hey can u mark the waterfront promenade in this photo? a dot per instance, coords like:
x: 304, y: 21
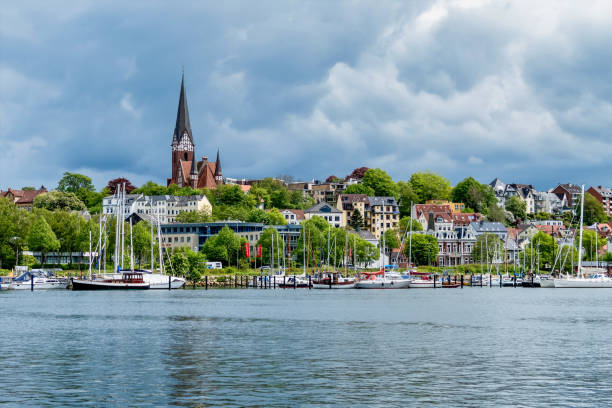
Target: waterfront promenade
x: 471, y: 347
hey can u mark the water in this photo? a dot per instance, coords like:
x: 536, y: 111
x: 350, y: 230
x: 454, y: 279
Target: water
x: 472, y: 347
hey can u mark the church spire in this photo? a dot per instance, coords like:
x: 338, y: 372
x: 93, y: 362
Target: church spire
x: 182, y: 116
x: 218, y: 175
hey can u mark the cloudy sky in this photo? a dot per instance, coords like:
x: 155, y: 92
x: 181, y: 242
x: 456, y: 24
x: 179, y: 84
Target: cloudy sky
x: 516, y: 90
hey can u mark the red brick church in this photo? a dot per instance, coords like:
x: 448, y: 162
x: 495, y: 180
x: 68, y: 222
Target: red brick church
x: 186, y: 169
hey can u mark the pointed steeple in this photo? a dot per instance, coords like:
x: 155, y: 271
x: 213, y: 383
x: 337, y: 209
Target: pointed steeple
x: 218, y: 175
x: 182, y: 116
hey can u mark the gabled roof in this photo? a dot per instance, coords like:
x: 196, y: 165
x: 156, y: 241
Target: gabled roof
x: 465, y: 218
x: 299, y: 214
x: 571, y: 188
x: 322, y: 207
x: 382, y: 201
x: 427, y: 208
x: 488, y: 227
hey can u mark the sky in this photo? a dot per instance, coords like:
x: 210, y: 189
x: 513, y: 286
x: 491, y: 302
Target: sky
x: 519, y: 90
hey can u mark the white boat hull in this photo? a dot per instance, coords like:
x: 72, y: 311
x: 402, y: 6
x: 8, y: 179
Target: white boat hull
x: 547, y: 283
x: 424, y: 284
x: 333, y: 286
x: 583, y: 283
x: 383, y: 284
x: 27, y: 285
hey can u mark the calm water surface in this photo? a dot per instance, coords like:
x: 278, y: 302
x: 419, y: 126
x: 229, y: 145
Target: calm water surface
x: 472, y: 347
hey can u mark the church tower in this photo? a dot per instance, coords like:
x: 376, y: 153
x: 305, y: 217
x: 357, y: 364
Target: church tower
x: 218, y: 175
x: 183, y: 163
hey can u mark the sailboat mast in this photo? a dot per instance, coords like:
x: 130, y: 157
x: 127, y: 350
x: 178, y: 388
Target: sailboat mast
x: 159, y: 245
x: 152, y: 238
x: 580, y: 241
x: 131, y: 248
x: 410, y: 239
x: 383, y: 235
x: 89, y: 255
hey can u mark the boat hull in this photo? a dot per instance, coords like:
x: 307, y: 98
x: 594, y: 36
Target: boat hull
x: 394, y: 284
x: 547, y: 283
x: 37, y: 286
x: 347, y: 285
x: 83, y: 284
x: 583, y: 283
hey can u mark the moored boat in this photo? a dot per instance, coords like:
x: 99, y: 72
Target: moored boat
x: 128, y: 280
x: 42, y: 280
x: 382, y: 280
x: 334, y: 281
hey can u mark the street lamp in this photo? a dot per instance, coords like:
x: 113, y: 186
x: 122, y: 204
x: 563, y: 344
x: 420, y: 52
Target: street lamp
x: 15, y: 242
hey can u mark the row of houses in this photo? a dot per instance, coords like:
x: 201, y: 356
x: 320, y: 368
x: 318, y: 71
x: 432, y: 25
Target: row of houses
x: 159, y: 208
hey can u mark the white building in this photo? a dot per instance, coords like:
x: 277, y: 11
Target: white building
x: 331, y: 214
x: 166, y: 207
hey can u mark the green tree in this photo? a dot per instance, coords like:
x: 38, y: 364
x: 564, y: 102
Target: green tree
x: 424, y: 249
x: 180, y: 263
x: 392, y: 241
x: 473, y: 194
x: 404, y: 226
x: 41, y: 238
x: 56, y: 200
x: 359, y: 189
x: 593, y: 210
x: 141, y: 238
x: 226, y: 246
x: 356, y: 221
x: 14, y: 228
x: 379, y: 181
x: 268, y: 239
x: 497, y: 214
x: 72, y: 182
x: 430, y: 186
x: 150, y: 188
x: 66, y: 227
x: 591, y: 242
x: 407, y: 197
x: 488, y: 248
x: 517, y: 207
x: 193, y: 217
x: 275, y: 217
x: 229, y: 194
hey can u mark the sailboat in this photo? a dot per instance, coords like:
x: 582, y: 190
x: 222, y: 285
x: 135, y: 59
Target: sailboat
x: 333, y: 280
x: 580, y: 281
x: 130, y: 279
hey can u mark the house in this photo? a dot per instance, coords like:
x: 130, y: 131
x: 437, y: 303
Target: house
x: 23, y: 199
x: 604, y: 196
x: 293, y: 217
x: 349, y: 203
x: 548, y: 202
x: 331, y: 214
x: 162, y: 207
x: 571, y: 192
x: 379, y: 213
x: 496, y: 228
x: 455, y: 207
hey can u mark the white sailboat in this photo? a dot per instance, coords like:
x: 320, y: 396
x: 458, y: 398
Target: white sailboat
x: 580, y: 281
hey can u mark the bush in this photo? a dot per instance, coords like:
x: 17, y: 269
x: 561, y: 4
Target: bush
x: 4, y: 272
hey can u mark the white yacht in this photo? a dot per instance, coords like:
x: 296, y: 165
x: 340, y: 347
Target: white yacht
x: 160, y: 281
x: 42, y: 280
x: 382, y: 280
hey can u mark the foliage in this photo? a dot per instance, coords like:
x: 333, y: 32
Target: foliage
x: 193, y: 216
x: 113, y: 184
x: 473, y: 194
x: 72, y: 182
x: 498, y: 214
x: 379, y: 181
x: 356, y: 221
x: 591, y: 242
x: 404, y: 226
x: 488, y: 248
x: 407, y: 197
x: 543, y: 216
x: 359, y: 189
x: 392, y: 240
x: 272, y: 247
x: 430, y: 186
x: 334, y: 179
x: 424, y: 249
x: 275, y: 218
x: 195, y: 263
x: 141, y: 238
x: 57, y: 200
x: 226, y: 246
x: 41, y: 237
x: 180, y: 263
x: 14, y: 228
x: 358, y: 173
x: 517, y: 207
x: 593, y: 210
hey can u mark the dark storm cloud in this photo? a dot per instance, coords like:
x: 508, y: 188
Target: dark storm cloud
x: 489, y: 89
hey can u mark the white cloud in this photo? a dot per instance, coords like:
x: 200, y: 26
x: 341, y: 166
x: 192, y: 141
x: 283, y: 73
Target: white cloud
x: 128, y: 106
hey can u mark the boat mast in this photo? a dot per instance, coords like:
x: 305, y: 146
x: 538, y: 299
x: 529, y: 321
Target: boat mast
x: 328, y: 236
x: 89, y: 255
x: 410, y: 239
x: 131, y: 248
x: 159, y: 246
x: 304, y: 248
x: 122, y: 224
x: 99, y: 244
x: 383, y: 235
x: 580, y: 242
x: 151, y: 222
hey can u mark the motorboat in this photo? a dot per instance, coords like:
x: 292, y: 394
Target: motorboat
x: 295, y: 281
x: 420, y: 280
x: 382, y: 280
x: 531, y: 282
x: 334, y: 281
x: 127, y: 280
x: 42, y: 280
x: 547, y: 282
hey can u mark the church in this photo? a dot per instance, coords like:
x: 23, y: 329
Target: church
x: 187, y: 170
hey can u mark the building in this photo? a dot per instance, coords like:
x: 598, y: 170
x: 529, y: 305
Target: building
x: 496, y: 228
x: 194, y: 235
x: 186, y: 169
x: 548, y: 202
x: 571, y: 192
x: 349, y: 203
x: 293, y: 217
x: 23, y: 199
x: 331, y: 214
x: 604, y: 196
x: 162, y: 207
x: 454, y: 207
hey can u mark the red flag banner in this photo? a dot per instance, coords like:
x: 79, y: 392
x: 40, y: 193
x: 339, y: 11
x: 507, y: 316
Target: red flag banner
x: 247, y: 250
x: 349, y: 252
x: 259, y: 251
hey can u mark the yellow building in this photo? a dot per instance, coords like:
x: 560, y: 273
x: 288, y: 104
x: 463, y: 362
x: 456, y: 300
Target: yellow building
x: 455, y: 207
